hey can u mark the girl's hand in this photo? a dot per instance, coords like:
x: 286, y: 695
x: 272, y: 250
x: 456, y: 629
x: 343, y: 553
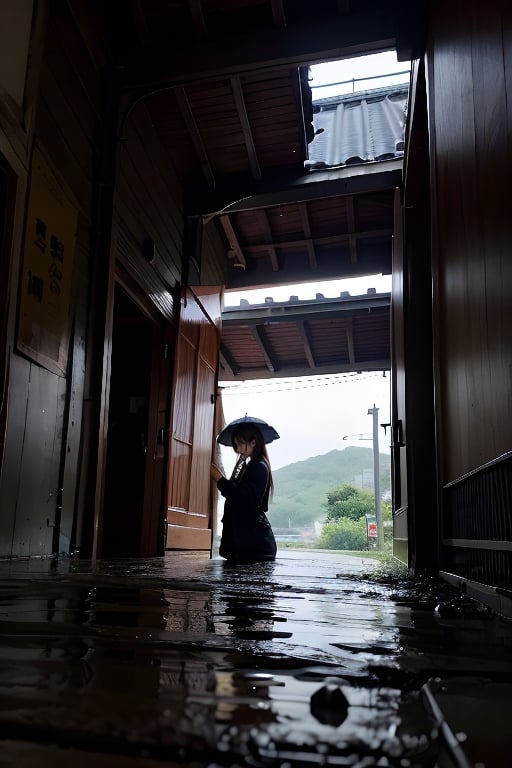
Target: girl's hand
x: 215, y: 473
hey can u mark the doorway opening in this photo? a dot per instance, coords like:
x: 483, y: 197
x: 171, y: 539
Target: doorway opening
x: 127, y: 444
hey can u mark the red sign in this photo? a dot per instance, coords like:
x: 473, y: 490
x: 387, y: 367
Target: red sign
x: 372, y: 530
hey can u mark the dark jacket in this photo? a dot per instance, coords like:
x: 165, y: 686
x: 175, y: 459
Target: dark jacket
x: 247, y: 536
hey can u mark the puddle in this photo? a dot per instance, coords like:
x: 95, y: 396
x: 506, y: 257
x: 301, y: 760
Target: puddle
x: 284, y: 664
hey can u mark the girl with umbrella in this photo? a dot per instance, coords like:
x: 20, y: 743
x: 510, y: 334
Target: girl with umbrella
x: 247, y: 535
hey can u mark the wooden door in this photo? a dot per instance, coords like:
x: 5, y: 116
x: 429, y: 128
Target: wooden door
x: 398, y: 390
x: 133, y: 519
x: 189, y: 505
x: 153, y: 533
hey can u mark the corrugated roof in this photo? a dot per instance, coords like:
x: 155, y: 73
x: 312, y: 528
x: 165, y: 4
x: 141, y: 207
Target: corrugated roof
x: 359, y: 127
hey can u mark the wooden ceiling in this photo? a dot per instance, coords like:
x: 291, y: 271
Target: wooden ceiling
x: 225, y: 83
x: 305, y: 337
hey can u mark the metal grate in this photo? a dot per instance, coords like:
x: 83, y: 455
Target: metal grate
x: 477, y: 524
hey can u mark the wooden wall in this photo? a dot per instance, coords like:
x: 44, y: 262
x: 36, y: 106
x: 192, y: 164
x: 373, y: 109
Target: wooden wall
x: 470, y: 81
x: 469, y: 70
x: 56, y: 426
x: 149, y: 210
x: 45, y: 410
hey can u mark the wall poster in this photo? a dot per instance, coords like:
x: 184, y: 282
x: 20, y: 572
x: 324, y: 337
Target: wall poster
x: 44, y: 299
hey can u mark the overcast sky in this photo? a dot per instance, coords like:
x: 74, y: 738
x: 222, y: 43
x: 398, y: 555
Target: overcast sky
x: 314, y: 419
x: 329, y: 79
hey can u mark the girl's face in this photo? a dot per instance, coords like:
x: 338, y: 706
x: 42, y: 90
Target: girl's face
x: 245, y: 448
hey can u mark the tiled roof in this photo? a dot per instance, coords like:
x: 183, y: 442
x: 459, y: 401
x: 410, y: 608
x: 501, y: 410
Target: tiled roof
x: 359, y: 127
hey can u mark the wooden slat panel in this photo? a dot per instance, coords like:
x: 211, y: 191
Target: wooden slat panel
x: 188, y: 538
x: 129, y: 254
x: 180, y: 451
x: 183, y: 421
x: 180, y: 461
x: 471, y: 149
x: 203, y: 429
x: 185, y: 519
x: 143, y: 163
x: 38, y: 472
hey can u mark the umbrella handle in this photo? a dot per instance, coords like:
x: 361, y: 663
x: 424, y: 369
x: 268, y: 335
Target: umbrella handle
x: 237, y: 469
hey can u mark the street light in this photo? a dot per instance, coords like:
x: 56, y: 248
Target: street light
x: 359, y: 437
x: 376, y: 475
x: 376, y: 469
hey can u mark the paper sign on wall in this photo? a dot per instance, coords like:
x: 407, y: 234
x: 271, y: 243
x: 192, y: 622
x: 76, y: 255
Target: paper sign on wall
x: 50, y: 232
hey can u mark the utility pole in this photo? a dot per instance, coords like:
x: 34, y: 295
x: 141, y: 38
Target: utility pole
x: 376, y: 475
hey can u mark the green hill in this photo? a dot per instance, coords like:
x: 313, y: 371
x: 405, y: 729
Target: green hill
x: 300, y: 488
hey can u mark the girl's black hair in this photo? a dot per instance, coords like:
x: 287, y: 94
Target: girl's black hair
x: 248, y: 432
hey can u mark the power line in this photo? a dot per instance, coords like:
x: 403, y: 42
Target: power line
x: 286, y: 385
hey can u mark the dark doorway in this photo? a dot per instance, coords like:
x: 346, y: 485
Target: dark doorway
x: 127, y: 446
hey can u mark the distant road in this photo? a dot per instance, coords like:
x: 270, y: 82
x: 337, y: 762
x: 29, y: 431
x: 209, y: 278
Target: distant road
x: 345, y: 563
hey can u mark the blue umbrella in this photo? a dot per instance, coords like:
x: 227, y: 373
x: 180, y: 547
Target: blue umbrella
x: 267, y: 432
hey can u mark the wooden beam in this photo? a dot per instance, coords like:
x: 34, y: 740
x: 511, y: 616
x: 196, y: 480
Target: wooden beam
x: 327, y: 240
x: 253, y: 374
x: 238, y: 95
x: 331, y: 37
x: 283, y: 186
x: 278, y: 13
x: 195, y: 136
x: 294, y: 312
x: 227, y: 361
x: 350, y: 340
x: 344, y: 6
x: 304, y: 334
x: 258, y: 334
x: 140, y: 23
x: 232, y: 239
x: 268, y: 237
x: 304, y: 217
x: 196, y: 12
x: 351, y: 225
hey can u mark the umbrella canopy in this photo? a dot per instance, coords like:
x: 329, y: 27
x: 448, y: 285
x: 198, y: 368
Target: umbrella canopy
x: 268, y: 433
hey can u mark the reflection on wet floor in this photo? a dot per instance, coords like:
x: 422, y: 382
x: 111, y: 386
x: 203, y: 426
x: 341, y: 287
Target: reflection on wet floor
x: 307, y: 661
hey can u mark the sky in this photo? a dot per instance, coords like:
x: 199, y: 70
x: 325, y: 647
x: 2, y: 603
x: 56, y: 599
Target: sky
x: 314, y: 415
x: 329, y: 79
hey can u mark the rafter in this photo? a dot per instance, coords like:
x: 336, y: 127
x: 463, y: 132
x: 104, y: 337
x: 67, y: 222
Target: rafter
x: 139, y: 23
x: 351, y: 224
x: 238, y: 95
x: 268, y: 237
x: 303, y: 330
x: 195, y: 135
x: 198, y: 19
x: 236, y: 249
x: 259, y: 336
x: 304, y: 217
x: 278, y: 13
x: 349, y: 325
x: 227, y: 361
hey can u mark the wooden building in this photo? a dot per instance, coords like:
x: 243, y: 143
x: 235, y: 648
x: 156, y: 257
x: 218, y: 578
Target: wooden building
x: 154, y: 152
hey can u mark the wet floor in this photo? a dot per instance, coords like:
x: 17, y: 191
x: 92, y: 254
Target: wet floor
x: 313, y: 660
